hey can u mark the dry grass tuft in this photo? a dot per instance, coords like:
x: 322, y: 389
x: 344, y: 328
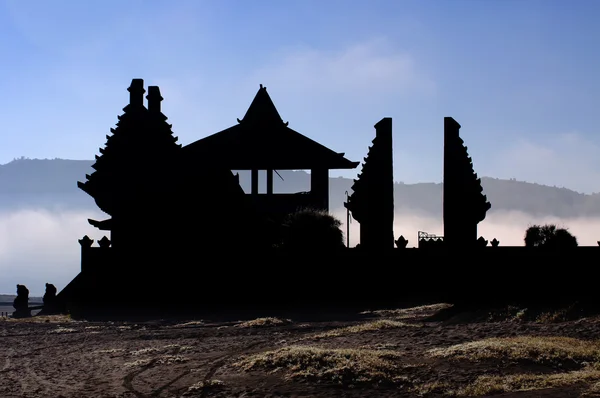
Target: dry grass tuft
x: 145, y: 351
x: 364, y: 327
x: 43, y: 319
x: 109, y: 351
x: 487, y: 385
x: 348, y: 367
x: 436, y: 387
x: 561, y: 315
x: 138, y: 363
x: 204, y: 385
x: 263, y: 322
x: 173, y: 348
x: 190, y: 323
x: 171, y: 359
x: 593, y: 390
x: 408, y: 313
x: 538, y: 349
x: 62, y: 330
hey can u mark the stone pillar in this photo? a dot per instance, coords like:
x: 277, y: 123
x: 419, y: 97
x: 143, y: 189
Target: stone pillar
x: 270, y: 181
x: 384, y: 185
x: 86, y: 244
x: 450, y: 190
x: 254, y: 182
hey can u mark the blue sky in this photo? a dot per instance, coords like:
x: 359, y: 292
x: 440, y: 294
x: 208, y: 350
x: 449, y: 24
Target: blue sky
x: 520, y: 76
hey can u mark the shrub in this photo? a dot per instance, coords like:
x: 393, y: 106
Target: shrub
x: 312, y: 229
x: 549, y: 236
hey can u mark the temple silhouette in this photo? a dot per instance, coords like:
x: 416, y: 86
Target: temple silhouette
x: 372, y: 200
x: 182, y: 233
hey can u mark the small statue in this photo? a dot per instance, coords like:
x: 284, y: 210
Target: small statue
x: 21, y: 303
x: 50, y: 299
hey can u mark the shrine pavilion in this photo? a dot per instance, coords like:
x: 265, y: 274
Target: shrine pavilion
x: 263, y: 141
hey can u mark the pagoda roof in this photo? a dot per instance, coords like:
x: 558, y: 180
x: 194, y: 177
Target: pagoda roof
x: 104, y: 225
x: 262, y: 140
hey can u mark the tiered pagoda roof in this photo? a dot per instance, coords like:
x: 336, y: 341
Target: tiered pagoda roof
x: 473, y: 204
x: 141, y: 141
x: 476, y: 201
x: 262, y: 140
x: 368, y: 177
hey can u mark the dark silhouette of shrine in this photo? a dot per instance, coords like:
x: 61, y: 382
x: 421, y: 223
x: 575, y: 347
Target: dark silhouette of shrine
x: 263, y: 141
x: 372, y: 200
x: 464, y: 203
x: 181, y: 224
x: 145, y: 180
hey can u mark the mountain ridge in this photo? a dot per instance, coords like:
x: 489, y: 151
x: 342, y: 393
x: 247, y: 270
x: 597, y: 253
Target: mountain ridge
x: 52, y: 184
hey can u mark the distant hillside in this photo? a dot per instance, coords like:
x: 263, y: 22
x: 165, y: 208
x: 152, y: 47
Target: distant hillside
x: 52, y: 185
x: 9, y: 298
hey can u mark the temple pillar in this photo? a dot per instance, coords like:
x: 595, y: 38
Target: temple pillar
x: 269, y: 181
x: 319, y: 187
x: 451, y: 192
x: 254, y: 182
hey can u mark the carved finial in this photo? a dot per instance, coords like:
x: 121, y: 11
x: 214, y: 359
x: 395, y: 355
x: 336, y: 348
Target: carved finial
x: 86, y: 241
x: 154, y: 99
x: 261, y: 86
x: 104, y: 242
x: 238, y: 120
x: 401, y: 242
x: 495, y: 242
x: 482, y: 242
x: 286, y: 124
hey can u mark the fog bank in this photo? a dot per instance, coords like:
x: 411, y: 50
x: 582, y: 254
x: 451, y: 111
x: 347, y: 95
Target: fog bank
x: 39, y: 246
x: 507, y: 226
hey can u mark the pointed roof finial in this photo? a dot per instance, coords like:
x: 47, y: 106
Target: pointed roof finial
x: 154, y: 99
x: 136, y: 92
x: 262, y: 110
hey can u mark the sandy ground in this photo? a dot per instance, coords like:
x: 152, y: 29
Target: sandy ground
x: 377, y: 354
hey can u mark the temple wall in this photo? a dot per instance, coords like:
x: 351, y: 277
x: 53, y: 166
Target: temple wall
x: 350, y: 276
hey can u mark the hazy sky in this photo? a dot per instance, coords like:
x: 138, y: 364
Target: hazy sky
x: 521, y: 76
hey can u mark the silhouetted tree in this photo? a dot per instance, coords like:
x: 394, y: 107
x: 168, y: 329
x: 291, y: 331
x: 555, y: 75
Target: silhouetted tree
x: 549, y: 236
x: 312, y: 229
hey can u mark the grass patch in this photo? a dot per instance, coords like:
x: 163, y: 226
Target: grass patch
x: 544, y: 350
x: 171, y: 359
x: 202, y: 386
x: 561, y: 315
x: 145, y: 351
x: 42, y: 319
x: 593, y: 390
x: 190, y: 323
x: 407, y: 313
x: 436, y: 387
x: 363, y: 327
x: 138, y: 363
x: 61, y: 330
x: 348, y: 367
x: 487, y: 385
x: 264, y: 322
x: 110, y: 351
x: 173, y: 348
